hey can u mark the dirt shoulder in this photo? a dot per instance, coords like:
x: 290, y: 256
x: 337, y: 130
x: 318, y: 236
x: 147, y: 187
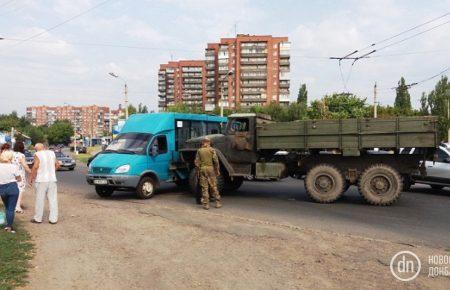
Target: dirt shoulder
x: 118, y: 244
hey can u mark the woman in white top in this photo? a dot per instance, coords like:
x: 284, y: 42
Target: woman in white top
x: 9, y: 191
x: 20, y: 161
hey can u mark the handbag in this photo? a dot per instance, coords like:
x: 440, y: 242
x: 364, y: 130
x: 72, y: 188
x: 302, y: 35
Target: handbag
x: 2, y: 218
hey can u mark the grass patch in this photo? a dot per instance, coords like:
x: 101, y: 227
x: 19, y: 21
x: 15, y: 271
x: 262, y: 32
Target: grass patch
x: 82, y: 157
x: 15, y: 253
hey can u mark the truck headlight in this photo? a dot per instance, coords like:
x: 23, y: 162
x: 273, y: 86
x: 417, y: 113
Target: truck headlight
x: 123, y: 169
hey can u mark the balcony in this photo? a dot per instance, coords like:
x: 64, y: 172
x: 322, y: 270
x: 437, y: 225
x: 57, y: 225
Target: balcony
x: 192, y: 81
x: 284, y: 84
x: 251, y: 98
x: 192, y: 75
x: 253, y: 54
x: 210, y: 73
x: 254, y: 76
x: 284, y: 61
x: 254, y: 61
x: 253, y: 68
x: 254, y: 85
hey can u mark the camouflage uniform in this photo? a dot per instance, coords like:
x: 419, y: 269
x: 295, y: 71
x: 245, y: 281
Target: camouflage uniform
x: 208, y: 167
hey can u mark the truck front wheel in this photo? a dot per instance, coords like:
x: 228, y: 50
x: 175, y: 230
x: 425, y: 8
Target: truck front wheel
x: 146, y: 188
x: 380, y: 184
x: 324, y: 183
x: 104, y: 191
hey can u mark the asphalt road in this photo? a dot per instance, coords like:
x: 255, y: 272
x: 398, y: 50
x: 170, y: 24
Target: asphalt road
x: 420, y: 217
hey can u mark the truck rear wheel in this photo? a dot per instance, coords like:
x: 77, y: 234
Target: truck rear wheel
x: 194, y: 185
x: 324, y: 183
x: 146, y: 188
x: 104, y: 191
x: 380, y: 184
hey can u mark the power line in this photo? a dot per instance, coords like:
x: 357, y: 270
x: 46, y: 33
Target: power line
x: 412, y: 36
x: 349, y: 55
x: 102, y: 45
x: 405, y: 31
x: 424, y: 80
x: 61, y: 23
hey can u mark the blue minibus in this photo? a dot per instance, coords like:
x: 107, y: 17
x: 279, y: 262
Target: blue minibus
x: 146, y: 151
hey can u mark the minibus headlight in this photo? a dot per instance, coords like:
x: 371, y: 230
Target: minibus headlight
x: 123, y: 169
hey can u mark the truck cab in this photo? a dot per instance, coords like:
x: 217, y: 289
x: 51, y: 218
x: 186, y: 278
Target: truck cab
x: 146, y: 152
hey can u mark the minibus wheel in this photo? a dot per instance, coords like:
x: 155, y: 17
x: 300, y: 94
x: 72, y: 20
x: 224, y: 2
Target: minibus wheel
x: 146, y: 188
x: 104, y: 191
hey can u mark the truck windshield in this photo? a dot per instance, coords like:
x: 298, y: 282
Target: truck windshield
x: 132, y: 143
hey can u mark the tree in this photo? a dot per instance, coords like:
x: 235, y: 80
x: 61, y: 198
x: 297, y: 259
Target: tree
x: 339, y: 106
x: 36, y: 134
x: 60, y: 132
x: 142, y: 109
x: 403, y: 99
x: 424, y: 107
x: 438, y: 104
x: 131, y: 110
x: 302, y: 97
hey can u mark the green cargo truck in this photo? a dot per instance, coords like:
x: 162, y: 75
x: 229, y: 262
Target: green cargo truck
x: 330, y: 155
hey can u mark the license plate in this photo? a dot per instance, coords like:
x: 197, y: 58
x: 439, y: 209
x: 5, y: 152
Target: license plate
x: 100, y: 181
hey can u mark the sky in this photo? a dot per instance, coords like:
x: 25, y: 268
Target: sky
x: 69, y: 64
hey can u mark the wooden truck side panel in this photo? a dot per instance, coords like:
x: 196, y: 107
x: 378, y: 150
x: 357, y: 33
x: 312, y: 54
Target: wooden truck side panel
x: 349, y: 135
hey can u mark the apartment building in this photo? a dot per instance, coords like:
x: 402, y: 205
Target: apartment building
x: 182, y: 82
x: 249, y: 70
x: 86, y: 120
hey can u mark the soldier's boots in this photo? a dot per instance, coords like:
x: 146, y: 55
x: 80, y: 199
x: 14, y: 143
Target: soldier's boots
x: 218, y: 204
x: 206, y: 206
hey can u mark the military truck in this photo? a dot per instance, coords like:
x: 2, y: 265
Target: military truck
x: 330, y: 155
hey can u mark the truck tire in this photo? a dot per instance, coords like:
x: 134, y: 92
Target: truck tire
x: 104, y: 191
x: 232, y: 185
x: 324, y: 183
x: 146, y: 188
x: 380, y: 184
x: 194, y: 186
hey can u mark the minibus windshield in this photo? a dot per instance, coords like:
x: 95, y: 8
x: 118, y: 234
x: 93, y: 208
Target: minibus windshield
x: 130, y: 143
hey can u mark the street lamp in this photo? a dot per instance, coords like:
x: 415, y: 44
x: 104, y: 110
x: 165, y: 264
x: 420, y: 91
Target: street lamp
x: 230, y: 73
x: 125, y: 92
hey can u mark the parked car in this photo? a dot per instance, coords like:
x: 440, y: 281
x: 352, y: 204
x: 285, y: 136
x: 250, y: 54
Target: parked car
x: 82, y: 149
x: 29, y: 158
x: 66, y: 162
x: 437, y: 172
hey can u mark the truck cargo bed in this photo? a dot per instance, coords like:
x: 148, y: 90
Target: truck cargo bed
x: 349, y: 135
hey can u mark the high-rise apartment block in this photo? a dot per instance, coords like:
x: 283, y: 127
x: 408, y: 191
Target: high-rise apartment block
x: 247, y: 70
x: 182, y: 82
x: 86, y: 120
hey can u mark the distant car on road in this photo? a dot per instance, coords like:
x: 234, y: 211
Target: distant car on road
x: 437, y: 172
x: 66, y: 162
x: 29, y: 158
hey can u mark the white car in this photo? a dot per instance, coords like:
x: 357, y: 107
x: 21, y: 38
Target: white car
x: 438, y: 171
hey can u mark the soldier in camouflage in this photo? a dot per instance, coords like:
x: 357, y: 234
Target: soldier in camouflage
x: 208, y: 167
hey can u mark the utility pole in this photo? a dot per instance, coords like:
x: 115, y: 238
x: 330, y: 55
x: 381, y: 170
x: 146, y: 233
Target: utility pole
x: 126, y: 101
x: 448, y: 117
x: 375, y: 103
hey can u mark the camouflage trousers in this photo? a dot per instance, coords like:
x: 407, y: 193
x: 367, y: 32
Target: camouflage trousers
x: 208, y: 182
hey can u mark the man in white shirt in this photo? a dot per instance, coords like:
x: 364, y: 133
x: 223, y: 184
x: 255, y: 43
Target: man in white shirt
x: 43, y: 175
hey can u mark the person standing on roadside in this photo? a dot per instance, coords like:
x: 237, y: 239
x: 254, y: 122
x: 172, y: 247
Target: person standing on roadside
x: 9, y: 190
x: 43, y: 175
x: 21, y: 163
x: 208, y: 167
